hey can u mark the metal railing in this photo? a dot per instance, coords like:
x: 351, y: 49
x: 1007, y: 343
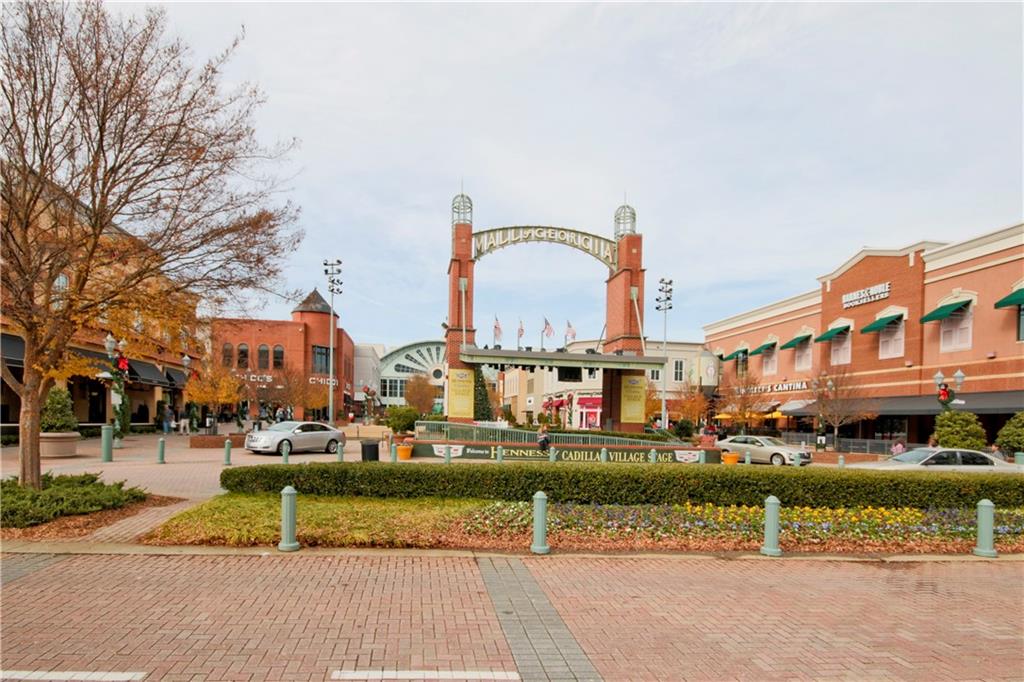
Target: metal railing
x: 871, y: 446
x: 450, y: 431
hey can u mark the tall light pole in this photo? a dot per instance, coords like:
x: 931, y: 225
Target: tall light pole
x: 664, y: 305
x: 332, y: 268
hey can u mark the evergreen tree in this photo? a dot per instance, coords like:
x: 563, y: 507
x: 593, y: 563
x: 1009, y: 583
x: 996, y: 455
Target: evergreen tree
x: 955, y: 429
x: 1011, y: 437
x: 481, y: 403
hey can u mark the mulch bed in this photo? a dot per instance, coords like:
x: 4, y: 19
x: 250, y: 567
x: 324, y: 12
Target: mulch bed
x: 81, y: 525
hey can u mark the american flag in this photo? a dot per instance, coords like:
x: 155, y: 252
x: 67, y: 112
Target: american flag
x: 522, y: 330
x: 549, y: 331
x: 497, y: 329
x: 570, y: 333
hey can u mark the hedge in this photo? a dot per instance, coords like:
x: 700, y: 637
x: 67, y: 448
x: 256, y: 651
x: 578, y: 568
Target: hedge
x: 588, y: 483
x: 64, y: 495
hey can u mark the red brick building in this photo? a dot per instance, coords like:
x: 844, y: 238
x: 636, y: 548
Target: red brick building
x: 268, y: 354
x: 894, y: 320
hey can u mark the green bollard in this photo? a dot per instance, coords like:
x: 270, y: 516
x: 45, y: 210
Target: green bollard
x: 394, y: 453
x: 540, y: 524
x: 986, y: 520
x: 798, y: 459
x: 447, y: 454
x: 702, y: 458
x: 286, y: 449
x: 842, y: 462
x: 501, y: 454
x: 1018, y: 458
x: 107, y: 443
x: 552, y: 455
x: 288, y: 542
x: 340, y: 455
x: 771, y: 527
x: 604, y: 454
x: 160, y: 444
x: 653, y: 456
x: 227, y: 452
x: 746, y: 457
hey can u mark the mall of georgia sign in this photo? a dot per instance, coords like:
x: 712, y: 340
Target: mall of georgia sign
x: 603, y: 249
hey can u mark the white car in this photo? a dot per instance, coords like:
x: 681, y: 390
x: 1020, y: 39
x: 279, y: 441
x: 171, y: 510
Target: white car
x: 765, y: 450
x: 300, y: 436
x: 941, y: 459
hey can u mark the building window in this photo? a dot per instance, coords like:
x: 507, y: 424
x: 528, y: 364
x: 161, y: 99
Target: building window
x: 263, y: 357
x: 955, y: 332
x: 802, y: 356
x: 228, y: 353
x: 741, y: 364
x: 278, y: 357
x: 60, y: 283
x: 655, y: 375
x: 890, y: 341
x: 321, y: 360
x: 243, y: 356
x: 841, y: 345
x: 392, y: 388
x: 1020, y: 323
x: 769, y: 362
x: 592, y: 372
x: 678, y: 373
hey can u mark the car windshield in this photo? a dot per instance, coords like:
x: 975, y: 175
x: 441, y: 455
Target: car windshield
x: 913, y: 456
x: 774, y: 441
x: 283, y: 426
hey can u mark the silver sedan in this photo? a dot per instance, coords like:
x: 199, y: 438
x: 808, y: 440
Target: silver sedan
x: 300, y: 436
x: 765, y: 450
x: 942, y: 459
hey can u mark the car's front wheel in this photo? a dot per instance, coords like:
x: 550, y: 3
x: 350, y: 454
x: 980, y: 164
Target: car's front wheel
x: 280, y: 447
x: 332, y: 446
x: 778, y: 460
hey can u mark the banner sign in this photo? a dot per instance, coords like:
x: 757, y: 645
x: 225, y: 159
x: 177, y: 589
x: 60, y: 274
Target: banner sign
x: 460, y: 393
x: 634, y: 399
x: 600, y: 248
x: 867, y: 295
x: 568, y: 453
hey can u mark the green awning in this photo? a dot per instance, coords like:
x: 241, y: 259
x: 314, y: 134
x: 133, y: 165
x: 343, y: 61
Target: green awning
x: 763, y: 347
x: 735, y: 354
x: 944, y: 311
x: 1015, y: 298
x: 832, y: 333
x: 793, y: 343
x: 881, y: 323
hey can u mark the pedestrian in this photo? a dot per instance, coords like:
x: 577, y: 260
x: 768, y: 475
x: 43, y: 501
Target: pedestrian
x: 996, y: 452
x: 542, y: 438
x: 184, y: 425
x: 168, y: 418
x: 897, y: 448
x: 932, y: 441
x: 279, y: 414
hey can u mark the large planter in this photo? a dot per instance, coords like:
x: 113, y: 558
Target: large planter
x: 64, y: 444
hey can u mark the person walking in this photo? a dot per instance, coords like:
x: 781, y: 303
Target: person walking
x: 996, y: 452
x: 184, y: 427
x: 897, y: 448
x: 168, y: 418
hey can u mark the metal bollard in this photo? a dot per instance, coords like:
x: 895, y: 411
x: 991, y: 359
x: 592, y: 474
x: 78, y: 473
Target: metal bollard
x: 552, y: 455
x: 286, y: 449
x: 340, y: 455
x: 288, y: 542
x: 394, y: 453
x: 1018, y: 458
x: 842, y: 462
x: 653, y: 456
x: 160, y: 444
x: 604, y: 454
x: 540, y: 524
x: 771, y: 527
x: 746, y: 457
x: 702, y: 458
x: 798, y: 459
x: 107, y: 442
x: 501, y: 454
x: 447, y: 454
x: 986, y: 535
x: 227, y: 452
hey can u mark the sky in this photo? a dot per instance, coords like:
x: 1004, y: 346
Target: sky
x: 761, y: 145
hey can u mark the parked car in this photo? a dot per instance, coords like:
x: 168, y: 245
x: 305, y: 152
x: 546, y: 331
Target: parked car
x: 301, y: 436
x: 765, y: 450
x: 941, y: 459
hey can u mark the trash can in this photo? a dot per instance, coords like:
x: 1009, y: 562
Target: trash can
x: 371, y: 451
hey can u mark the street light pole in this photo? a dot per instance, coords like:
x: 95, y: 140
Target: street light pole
x: 664, y: 305
x: 333, y: 271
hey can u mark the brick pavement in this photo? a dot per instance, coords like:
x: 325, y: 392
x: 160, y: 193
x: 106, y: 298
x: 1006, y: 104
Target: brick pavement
x: 671, y: 619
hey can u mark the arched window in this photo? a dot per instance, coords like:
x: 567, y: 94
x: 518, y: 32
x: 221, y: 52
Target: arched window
x: 278, y: 357
x: 229, y: 355
x: 243, y: 356
x: 263, y: 357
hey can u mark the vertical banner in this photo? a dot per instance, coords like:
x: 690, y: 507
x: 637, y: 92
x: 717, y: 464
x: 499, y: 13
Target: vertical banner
x: 634, y: 399
x: 460, y: 393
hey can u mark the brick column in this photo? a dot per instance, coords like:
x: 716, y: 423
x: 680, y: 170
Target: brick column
x: 460, y: 266
x: 623, y: 331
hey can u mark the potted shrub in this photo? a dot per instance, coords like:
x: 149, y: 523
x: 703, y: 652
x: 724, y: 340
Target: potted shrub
x: 57, y: 425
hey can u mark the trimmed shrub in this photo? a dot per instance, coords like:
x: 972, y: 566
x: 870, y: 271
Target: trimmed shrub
x: 635, y: 484
x: 1010, y: 438
x: 57, y: 415
x: 61, y: 496
x: 955, y: 429
x: 401, y: 419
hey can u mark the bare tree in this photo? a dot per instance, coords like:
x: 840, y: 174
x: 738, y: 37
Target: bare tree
x: 132, y: 181
x: 840, y: 400
x: 743, y: 399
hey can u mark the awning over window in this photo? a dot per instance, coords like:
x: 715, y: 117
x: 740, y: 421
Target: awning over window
x: 1015, y: 298
x: 832, y: 333
x: 735, y: 354
x: 944, y: 311
x: 176, y: 377
x: 1002, y: 402
x: 763, y: 347
x: 881, y: 323
x: 145, y: 373
x: 12, y: 348
x: 793, y: 343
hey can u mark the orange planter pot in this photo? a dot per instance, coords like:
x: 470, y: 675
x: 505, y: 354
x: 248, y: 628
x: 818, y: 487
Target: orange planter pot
x: 731, y: 458
x: 404, y: 452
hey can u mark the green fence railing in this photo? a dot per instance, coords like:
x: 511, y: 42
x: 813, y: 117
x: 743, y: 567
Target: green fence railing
x: 450, y: 431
